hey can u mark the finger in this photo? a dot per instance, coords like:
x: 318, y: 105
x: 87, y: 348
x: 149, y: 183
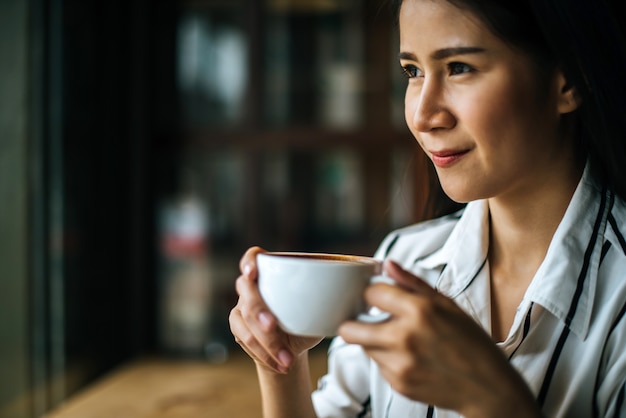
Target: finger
x: 392, y: 299
x: 406, y: 279
x: 261, y: 323
x: 248, y: 342
x: 252, y: 306
x: 365, y: 334
x: 247, y: 264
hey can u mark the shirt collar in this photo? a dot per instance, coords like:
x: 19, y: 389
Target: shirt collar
x: 464, y: 252
x: 565, y: 282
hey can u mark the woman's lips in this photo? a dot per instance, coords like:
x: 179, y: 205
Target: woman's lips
x: 447, y: 158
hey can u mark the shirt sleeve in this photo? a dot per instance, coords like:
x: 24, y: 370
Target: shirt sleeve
x: 344, y: 391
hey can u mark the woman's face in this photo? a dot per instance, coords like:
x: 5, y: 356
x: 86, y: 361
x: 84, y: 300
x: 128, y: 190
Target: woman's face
x: 476, y: 105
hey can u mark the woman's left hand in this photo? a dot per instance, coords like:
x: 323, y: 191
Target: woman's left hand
x: 433, y: 352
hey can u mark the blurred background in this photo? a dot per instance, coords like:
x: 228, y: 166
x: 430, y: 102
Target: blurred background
x: 146, y: 144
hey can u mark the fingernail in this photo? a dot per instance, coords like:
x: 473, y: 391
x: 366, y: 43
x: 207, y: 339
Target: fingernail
x: 266, y: 320
x: 247, y: 269
x: 285, y: 358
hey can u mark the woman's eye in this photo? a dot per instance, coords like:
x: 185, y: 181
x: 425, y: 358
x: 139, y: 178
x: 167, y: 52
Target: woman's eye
x: 411, y: 71
x: 459, y: 68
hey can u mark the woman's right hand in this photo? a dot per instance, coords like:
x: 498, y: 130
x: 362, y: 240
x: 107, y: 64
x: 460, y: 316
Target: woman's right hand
x: 254, y: 327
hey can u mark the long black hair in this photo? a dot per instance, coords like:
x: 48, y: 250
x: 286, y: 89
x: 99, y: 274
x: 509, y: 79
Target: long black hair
x: 586, y: 40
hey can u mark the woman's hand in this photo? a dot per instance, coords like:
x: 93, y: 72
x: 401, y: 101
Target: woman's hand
x: 256, y: 330
x: 433, y: 352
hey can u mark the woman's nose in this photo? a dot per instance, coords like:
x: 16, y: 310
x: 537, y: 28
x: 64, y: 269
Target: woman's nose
x: 430, y: 110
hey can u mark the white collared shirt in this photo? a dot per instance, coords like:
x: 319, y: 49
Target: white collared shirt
x: 568, y: 339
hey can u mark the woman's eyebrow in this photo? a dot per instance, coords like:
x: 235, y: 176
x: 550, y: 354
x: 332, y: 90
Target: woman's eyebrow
x: 458, y: 50
x: 445, y: 52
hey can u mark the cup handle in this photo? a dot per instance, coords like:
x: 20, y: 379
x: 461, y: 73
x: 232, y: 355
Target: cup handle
x: 375, y: 315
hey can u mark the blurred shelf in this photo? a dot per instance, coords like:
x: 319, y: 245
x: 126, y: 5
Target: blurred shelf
x: 294, y: 139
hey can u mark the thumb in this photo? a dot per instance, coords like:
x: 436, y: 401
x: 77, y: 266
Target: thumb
x: 406, y: 279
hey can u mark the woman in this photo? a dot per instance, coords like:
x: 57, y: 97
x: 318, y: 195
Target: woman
x: 513, y: 306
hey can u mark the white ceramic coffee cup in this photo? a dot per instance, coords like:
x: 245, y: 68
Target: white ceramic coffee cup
x: 312, y: 294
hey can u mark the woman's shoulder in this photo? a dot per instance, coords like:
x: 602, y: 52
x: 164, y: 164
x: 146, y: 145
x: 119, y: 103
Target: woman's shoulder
x: 424, y: 237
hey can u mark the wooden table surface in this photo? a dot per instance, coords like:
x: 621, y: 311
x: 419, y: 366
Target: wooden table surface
x: 166, y: 388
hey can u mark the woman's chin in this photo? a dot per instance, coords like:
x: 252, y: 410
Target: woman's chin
x: 461, y: 191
